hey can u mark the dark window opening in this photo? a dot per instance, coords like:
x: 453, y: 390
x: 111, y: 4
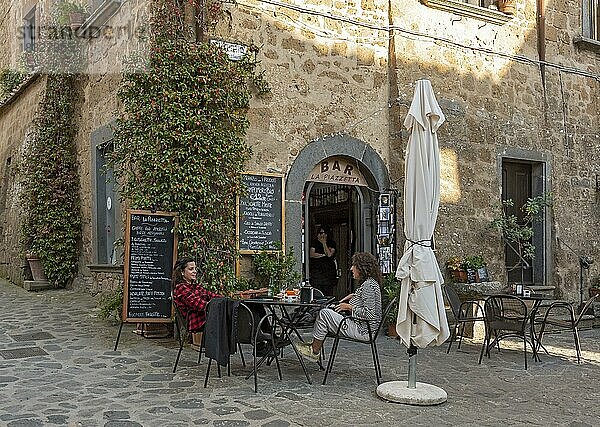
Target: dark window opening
x: 29, y: 31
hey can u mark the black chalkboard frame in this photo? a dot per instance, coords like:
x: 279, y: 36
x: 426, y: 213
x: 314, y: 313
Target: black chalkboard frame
x: 282, y: 213
x: 129, y: 212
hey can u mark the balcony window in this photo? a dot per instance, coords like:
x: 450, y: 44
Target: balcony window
x: 29, y: 31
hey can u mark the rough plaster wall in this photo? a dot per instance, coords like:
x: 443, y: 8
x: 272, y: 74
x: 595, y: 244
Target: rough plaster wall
x: 322, y: 81
x: 15, y: 121
x: 492, y: 104
x: 5, y: 32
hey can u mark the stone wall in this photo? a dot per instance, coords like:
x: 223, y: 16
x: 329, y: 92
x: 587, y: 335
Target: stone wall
x: 495, y: 106
x: 326, y: 76
x: 105, y: 56
x: 495, y: 100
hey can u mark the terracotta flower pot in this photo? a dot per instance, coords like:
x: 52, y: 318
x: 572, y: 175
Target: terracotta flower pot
x: 392, y: 330
x: 459, y: 276
x: 76, y: 20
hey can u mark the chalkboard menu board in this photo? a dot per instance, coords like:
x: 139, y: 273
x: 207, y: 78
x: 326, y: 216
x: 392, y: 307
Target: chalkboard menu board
x: 260, y: 213
x: 150, y: 250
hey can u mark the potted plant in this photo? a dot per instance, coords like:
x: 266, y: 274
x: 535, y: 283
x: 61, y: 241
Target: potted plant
x: 454, y: 265
x: 35, y: 265
x: 70, y: 14
x: 391, y: 289
x: 477, y: 267
x: 517, y: 234
x: 275, y: 269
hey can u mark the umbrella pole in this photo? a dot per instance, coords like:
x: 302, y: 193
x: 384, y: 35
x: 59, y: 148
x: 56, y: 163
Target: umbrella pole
x: 412, y: 366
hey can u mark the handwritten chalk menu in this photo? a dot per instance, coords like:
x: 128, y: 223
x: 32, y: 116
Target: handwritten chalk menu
x: 150, y: 251
x: 260, y: 213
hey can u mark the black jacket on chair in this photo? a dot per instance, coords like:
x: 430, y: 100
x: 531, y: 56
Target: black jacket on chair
x: 219, y: 336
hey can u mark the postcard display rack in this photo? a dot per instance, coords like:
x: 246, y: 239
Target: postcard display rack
x: 386, y: 232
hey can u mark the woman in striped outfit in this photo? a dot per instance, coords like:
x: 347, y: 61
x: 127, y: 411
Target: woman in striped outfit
x: 364, y: 303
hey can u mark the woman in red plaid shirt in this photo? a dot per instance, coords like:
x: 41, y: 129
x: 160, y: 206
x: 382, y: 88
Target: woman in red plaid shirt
x: 191, y: 298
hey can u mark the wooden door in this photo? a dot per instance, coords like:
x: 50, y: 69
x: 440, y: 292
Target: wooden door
x: 517, y: 186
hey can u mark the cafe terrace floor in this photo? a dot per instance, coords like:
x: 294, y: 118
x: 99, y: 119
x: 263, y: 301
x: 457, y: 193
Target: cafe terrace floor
x: 81, y: 381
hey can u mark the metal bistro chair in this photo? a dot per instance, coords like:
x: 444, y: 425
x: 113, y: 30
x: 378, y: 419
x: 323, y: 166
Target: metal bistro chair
x: 249, y: 330
x: 505, y: 316
x: 561, y: 315
x: 226, y: 337
x: 183, y: 333
x: 461, y: 317
x: 372, y: 341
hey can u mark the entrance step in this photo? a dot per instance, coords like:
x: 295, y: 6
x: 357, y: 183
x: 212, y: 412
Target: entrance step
x: 36, y: 285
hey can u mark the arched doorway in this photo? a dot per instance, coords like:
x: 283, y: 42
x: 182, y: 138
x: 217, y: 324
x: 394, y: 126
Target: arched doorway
x: 348, y: 207
x: 347, y: 211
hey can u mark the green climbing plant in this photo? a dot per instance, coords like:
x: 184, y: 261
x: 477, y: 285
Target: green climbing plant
x: 9, y: 80
x: 51, y: 226
x: 518, y: 233
x: 179, y: 138
x: 50, y: 183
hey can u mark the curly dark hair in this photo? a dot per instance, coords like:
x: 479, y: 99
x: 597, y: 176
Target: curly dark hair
x: 367, y: 266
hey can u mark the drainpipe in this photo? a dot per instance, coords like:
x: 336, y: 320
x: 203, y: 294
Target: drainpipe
x: 541, y: 37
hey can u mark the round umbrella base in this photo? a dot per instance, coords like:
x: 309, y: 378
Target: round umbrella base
x: 422, y: 395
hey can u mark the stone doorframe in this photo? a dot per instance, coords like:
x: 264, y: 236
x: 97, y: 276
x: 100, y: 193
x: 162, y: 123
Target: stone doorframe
x: 371, y: 164
x: 542, y: 171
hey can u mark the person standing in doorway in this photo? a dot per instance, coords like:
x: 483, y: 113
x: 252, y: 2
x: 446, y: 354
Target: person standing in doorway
x: 323, y: 270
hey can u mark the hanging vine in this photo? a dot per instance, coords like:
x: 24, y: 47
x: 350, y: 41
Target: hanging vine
x: 179, y: 139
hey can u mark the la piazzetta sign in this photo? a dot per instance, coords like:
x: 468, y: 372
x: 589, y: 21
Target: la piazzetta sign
x: 337, y: 170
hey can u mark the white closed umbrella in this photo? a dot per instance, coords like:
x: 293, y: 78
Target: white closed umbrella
x: 421, y: 314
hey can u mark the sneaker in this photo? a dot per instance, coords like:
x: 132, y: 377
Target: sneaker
x: 305, y: 350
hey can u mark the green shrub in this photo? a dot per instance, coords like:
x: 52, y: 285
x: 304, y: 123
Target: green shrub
x: 391, y: 290
x: 276, y: 268
x: 111, y: 304
x: 9, y: 80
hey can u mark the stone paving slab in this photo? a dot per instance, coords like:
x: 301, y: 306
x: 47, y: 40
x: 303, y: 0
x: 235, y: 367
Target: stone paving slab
x: 82, y: 382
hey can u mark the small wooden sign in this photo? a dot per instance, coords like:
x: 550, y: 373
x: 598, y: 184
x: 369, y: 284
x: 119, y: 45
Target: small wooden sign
x: 150, y: 252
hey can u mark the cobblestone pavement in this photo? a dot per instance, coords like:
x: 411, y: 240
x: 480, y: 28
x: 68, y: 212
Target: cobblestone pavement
x: 79, y: 380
